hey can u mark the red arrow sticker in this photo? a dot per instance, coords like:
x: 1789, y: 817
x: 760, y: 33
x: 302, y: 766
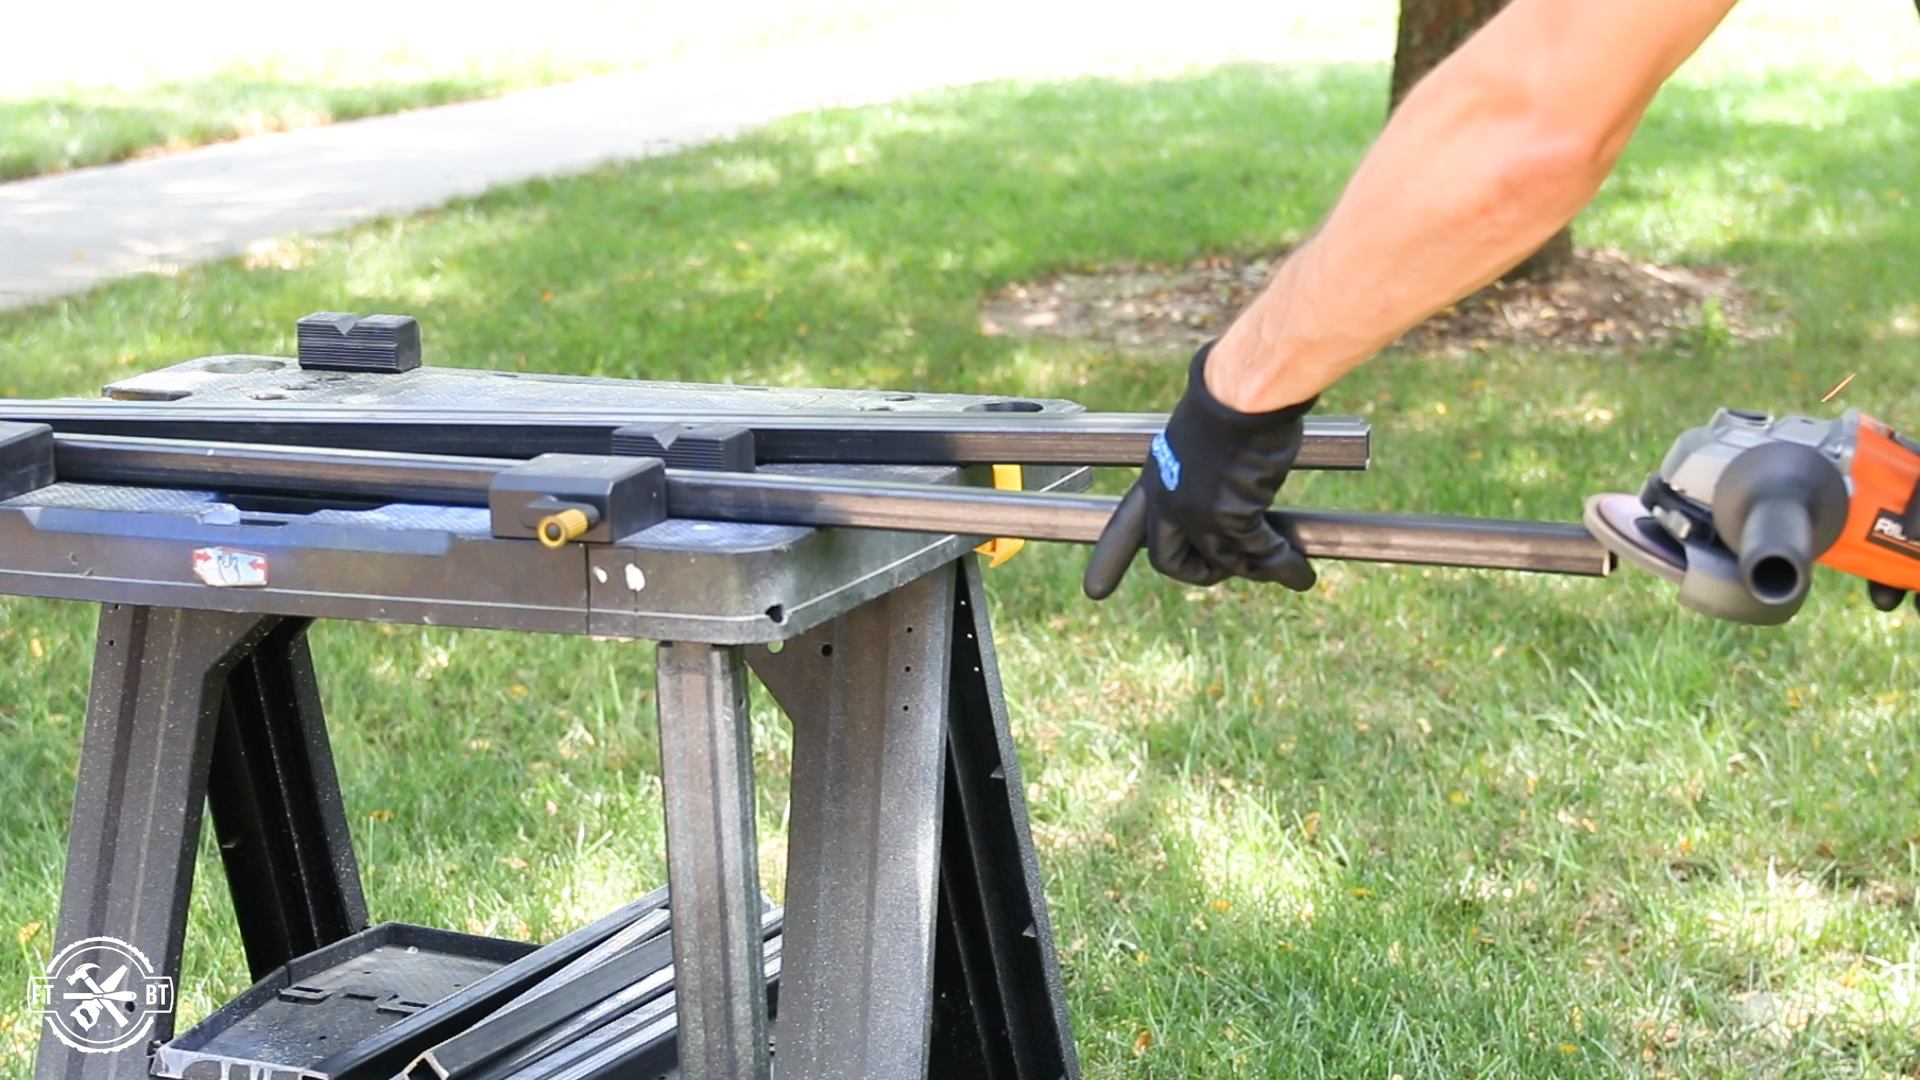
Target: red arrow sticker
x: 227, y: 568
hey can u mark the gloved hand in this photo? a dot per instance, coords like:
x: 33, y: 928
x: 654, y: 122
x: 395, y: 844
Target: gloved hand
x: 1206, y: 489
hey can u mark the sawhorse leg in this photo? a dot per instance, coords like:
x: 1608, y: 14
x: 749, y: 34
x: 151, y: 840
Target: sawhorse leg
x: 867, y: 694
x: 1000, y: 1010
x: 917, y: 941
x: 162, y: 680
x: 713, y: 862
x: 276, y: 807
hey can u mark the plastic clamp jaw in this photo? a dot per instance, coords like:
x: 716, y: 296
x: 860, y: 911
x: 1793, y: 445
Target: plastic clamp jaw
x: 1001, y: 548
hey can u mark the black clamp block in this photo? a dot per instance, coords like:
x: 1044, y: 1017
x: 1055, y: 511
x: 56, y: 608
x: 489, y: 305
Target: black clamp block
x: 560, y: 497
x: 336, y: 341
x: 709, y: 447
x: 26, y: 458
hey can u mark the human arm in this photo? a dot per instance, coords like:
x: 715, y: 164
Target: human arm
x: 1488, y: 156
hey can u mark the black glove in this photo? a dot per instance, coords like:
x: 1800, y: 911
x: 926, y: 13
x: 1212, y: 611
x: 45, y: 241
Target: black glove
x: 1206, y: 488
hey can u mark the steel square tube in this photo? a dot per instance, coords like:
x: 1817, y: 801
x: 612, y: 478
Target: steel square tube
x: 839, y: 437
x: 771, y: 498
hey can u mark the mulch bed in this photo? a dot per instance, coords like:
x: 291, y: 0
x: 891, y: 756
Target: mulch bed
x: 1604, y: 300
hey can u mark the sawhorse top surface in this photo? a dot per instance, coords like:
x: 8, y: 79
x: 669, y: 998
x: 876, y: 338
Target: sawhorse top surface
x: 264, y: 380
x: 682, y: 580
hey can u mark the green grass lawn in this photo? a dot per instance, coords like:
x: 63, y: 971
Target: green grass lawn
x: 78, y: 126
x: 1418, y: 823
x: 115, y: 79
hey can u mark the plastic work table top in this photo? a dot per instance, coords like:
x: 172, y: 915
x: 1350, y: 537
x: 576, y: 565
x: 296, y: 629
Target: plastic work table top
x: 679, y: 581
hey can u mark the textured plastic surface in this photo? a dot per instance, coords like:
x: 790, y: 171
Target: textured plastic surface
x: 26, y: 458
x: 329, y: 1000
x: 318, y: 1016
x: 721, y: 447
x: 245, y: 379
x: 626, y: 494
x: 336, y: 341
x: 679, y: 580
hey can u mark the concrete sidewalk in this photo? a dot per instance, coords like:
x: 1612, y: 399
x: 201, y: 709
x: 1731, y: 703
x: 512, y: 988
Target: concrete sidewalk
x: 66, y: 233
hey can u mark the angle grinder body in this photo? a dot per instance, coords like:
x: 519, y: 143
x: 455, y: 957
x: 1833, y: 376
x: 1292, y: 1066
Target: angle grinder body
x: 1741, y: 509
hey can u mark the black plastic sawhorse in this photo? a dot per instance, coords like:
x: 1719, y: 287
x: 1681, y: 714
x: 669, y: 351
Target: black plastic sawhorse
x: 917, y: 935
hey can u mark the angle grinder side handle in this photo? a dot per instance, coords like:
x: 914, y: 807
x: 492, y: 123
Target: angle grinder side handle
x: 1779, y: 506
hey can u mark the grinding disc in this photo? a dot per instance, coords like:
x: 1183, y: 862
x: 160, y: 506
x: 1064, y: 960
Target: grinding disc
x: 1623, y: 526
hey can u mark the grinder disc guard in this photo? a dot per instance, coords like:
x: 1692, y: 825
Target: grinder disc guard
x: 1707, y: 573
x: 1624, y: 526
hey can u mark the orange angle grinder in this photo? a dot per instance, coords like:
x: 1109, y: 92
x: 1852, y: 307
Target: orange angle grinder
x: 1742, y: 508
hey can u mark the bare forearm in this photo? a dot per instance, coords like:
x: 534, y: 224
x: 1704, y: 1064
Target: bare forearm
x: 1490, y: 155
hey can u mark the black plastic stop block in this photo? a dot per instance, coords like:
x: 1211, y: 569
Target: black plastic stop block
x: 26, y: 458
x: 336, y: 341
x: 623, y: 495
x: 713, y: 447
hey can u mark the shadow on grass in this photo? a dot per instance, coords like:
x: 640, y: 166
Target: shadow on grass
x: 1359, y: 841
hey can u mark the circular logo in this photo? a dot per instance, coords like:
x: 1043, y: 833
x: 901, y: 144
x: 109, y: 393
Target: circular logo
x: 100, y: 995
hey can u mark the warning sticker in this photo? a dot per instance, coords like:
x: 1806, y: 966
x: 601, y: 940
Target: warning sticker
x: 1888, y: 533
x: 228, y: 568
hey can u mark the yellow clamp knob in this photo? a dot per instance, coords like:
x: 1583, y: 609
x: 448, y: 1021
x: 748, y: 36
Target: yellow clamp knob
x: 1001, y: 548
x: 563, y: 525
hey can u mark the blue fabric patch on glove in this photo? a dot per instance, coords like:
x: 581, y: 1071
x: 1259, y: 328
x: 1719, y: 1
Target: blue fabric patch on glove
x: 1169, y: 464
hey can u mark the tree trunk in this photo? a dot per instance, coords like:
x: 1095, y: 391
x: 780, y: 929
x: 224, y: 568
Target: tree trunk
x: 1429, y: 32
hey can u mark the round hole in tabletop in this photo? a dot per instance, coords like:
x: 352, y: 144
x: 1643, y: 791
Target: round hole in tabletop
x: 243, y: 365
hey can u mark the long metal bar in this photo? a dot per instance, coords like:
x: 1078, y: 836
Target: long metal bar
x: 841, y: 437
x: 773, y: 498
x: 503, y: 1032
x: 388, y: 1052
x: 1490, y: 544
x: 245, y: 467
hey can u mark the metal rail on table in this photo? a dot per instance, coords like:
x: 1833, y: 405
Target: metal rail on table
x: 839, y: 437
x: 772, y: 498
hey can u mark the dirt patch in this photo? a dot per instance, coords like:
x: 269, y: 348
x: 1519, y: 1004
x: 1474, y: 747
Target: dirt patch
x: 1604, y: 300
